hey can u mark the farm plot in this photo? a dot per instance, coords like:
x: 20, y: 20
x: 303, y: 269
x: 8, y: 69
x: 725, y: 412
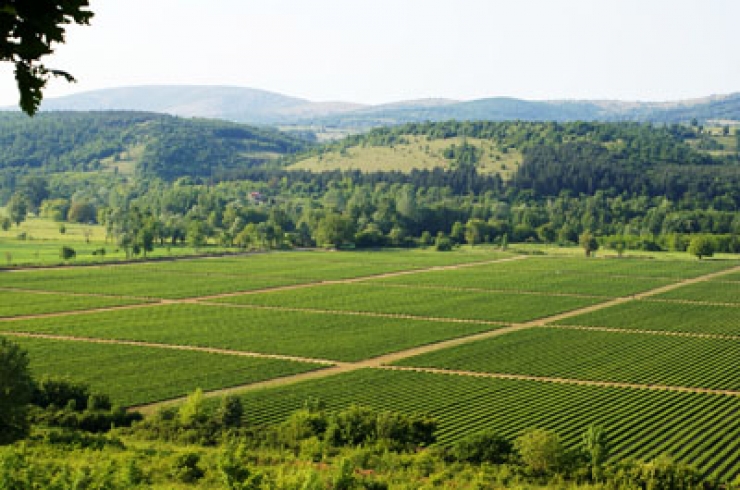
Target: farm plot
x: 421, y: 302
x: 327, y: 265
x: 509, y: 277
x: 307, y: 334
x: 668, y: 269
x: 599, y: 356
x: 664, y: 316
x: 14, y: 303
x: 203, y: 277
x: 698, y: 429
x: 707, y: 291
x: 134, y: 375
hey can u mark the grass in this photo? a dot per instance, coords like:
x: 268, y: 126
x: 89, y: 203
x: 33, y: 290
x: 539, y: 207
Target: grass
x: 134, y: 375
x: 664, y: 316
x: 419, y: 153
x: 15, y: 303
x: 326, y: 336
x: 693, y: 428
x: 597, y: 356
x: 421, y: 302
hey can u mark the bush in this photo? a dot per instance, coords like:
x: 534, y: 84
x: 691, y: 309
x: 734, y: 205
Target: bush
x: 67, y: 253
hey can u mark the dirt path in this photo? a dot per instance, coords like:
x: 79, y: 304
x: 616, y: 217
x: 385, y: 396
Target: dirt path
x: 583, y: 382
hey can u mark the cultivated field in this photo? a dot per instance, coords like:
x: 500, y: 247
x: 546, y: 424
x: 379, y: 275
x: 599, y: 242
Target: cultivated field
x: 478, y: 338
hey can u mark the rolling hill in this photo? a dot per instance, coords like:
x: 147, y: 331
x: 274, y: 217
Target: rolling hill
x: 134, y: 142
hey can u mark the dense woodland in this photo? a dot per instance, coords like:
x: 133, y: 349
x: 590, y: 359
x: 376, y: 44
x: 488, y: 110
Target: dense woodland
x: 630, y: 185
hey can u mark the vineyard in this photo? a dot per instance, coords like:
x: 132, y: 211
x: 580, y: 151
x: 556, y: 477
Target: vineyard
x: 318, y: 335
x: 135, y: 374
x: 14, y: 303
x: 411, y: 331
x: 665, y: 316
x: 599, y: 356
x: 420, y: 302
x: 695, y: 428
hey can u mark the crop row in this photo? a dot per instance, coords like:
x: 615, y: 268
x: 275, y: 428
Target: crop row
x: 14, y: 303
x: 664, y: 316
x: 202, y: 277
x: 667, y: 269
x: 599, y: 356
x: 134, y: 375
x: 708, y: 291
x: 642, y: 424
x: 422, y: 302
x: 307, y: 334
x: 508, y: 278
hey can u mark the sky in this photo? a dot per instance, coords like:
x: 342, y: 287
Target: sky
x: 376, y: 51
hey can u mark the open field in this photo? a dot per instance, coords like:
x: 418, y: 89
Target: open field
x: 15, y: 303
x: 598, y: 356
x: 417, y: 153
x: 132, y: 375
x: 421, y: 302
x: 665, y: 316
x: 316, y: 335
x: 642, y: 424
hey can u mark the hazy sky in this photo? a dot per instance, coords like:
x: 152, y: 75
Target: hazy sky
x: 386, y: 50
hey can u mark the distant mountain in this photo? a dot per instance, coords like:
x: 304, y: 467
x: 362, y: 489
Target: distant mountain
x: 231, y: 103
x: 268, y: 108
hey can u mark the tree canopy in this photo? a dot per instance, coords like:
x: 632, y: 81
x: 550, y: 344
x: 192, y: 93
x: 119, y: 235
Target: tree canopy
x: 28, y: 31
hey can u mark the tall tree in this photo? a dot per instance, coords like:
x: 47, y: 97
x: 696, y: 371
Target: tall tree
x: 16, y: 387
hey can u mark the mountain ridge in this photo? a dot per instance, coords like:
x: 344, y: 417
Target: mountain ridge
x: 263, y: 107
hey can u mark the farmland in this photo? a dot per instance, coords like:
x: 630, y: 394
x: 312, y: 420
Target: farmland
x: 665, y: 316
x: 421, y: 302
x: 319, y: 335
x: 600, y: 356
x: 642, y: 424
x: 389, y: 322
x: 14, y: 303
x: 169, y: 373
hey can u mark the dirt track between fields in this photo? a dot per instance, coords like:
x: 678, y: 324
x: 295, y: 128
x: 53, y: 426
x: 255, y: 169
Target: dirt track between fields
x: 381, y: 361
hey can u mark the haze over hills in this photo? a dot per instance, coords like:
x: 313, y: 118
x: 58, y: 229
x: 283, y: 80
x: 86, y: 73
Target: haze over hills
x: 269, y: 108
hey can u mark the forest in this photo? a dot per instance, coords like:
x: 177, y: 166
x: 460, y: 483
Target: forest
x: 630, y: 185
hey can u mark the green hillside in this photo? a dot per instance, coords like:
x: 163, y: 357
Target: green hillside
x: 133, y: 143
x: 502, y: 147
